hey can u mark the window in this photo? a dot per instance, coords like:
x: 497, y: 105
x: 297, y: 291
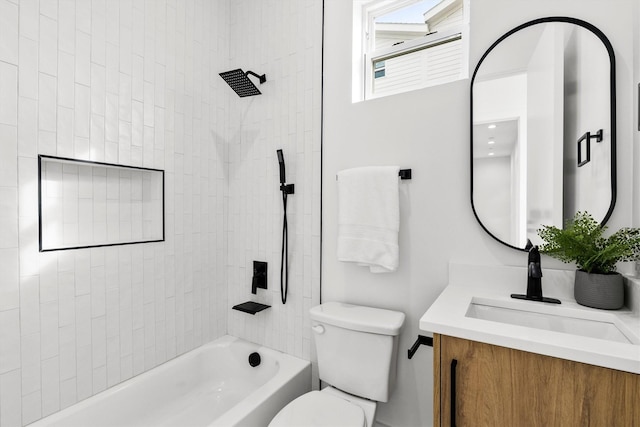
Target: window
x: 404, y: 45
x: 379, y: 70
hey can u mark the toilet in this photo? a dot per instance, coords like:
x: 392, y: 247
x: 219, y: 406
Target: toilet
x: 357, y: 350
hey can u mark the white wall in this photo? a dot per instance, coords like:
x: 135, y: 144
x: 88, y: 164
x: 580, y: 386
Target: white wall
x: 282, y: 39
x: 428, y: 131
x: 125, y: 82
x: 136, y: 82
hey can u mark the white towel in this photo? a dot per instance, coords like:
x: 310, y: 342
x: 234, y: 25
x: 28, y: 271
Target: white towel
x: 369, y: 217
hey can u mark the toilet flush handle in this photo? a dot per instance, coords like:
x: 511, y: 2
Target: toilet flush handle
x: 318, y: 329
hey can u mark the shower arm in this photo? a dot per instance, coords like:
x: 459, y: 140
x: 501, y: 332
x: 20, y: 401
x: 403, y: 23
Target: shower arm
x: 263, y: 78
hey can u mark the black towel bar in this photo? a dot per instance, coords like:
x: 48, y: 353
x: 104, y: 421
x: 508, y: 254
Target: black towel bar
x: 403, y: 174
x: 422, y: 340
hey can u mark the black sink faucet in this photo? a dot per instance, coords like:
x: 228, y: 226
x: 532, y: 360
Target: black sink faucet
x: 534, y: 278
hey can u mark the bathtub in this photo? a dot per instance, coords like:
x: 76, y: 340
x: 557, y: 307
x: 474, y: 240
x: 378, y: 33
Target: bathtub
x: 213, y: 385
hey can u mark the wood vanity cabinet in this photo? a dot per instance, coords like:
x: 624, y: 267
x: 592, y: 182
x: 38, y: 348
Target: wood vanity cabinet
x: 497, y: 386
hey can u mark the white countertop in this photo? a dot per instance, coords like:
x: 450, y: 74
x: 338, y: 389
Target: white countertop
x: 447, y: 316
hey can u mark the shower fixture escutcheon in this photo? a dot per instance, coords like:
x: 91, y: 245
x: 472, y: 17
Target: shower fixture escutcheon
x: 240, y: 82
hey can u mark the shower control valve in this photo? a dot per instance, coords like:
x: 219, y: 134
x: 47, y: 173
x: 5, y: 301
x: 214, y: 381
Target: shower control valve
x: 259, y: 279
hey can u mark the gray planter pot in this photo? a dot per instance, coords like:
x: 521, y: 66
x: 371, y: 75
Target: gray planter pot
x: 605, y: 291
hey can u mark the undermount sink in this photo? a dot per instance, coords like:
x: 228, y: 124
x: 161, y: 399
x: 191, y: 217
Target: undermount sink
x: 602, y: 326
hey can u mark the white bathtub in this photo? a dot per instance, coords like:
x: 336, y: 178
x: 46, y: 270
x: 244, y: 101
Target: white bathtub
x: 213, y: 385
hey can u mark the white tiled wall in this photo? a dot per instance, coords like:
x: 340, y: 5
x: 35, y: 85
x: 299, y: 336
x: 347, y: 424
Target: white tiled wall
x: 118, y: 81
x: 136, y: 82
x: 282, y: 39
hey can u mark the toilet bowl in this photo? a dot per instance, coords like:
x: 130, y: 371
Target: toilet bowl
x: 320, y: 409
x: 357, y: 353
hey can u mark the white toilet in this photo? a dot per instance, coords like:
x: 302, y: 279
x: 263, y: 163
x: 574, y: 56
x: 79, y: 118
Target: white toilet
x: 357, y: 351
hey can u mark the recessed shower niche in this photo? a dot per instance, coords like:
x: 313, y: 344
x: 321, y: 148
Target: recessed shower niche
x: 86, y: 204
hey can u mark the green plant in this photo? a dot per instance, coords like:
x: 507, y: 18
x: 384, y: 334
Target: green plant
x: 582, y: 241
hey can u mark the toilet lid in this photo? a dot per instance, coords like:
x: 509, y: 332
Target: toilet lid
x: 316, y: 409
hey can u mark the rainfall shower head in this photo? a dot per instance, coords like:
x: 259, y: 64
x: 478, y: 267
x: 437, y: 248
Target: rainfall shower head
x: 240, y: 83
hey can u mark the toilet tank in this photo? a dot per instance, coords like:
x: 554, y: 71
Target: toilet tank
x: 357, y: 347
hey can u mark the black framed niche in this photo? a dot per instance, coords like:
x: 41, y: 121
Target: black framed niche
x: 87, y: 204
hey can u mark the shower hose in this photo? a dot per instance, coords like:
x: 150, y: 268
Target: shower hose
x: 284, y: 256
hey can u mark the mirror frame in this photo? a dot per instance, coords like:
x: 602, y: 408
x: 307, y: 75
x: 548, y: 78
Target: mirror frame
x: 612, y: 88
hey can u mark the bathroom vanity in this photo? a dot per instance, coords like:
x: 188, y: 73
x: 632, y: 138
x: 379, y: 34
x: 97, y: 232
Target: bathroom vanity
x: 499, y: 386
x: 504, y: 362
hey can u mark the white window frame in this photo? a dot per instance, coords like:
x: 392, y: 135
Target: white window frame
x: 368, y: 11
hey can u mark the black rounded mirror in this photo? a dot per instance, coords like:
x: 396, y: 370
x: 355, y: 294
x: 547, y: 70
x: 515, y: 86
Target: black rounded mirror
x: 543, y: 129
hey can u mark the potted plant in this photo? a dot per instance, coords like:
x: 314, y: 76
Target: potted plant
x: 581, y: 241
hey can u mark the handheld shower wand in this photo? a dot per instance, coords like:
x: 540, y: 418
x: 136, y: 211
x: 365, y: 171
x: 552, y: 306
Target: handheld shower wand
x: 281, y: 163
x: 284, y: 256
